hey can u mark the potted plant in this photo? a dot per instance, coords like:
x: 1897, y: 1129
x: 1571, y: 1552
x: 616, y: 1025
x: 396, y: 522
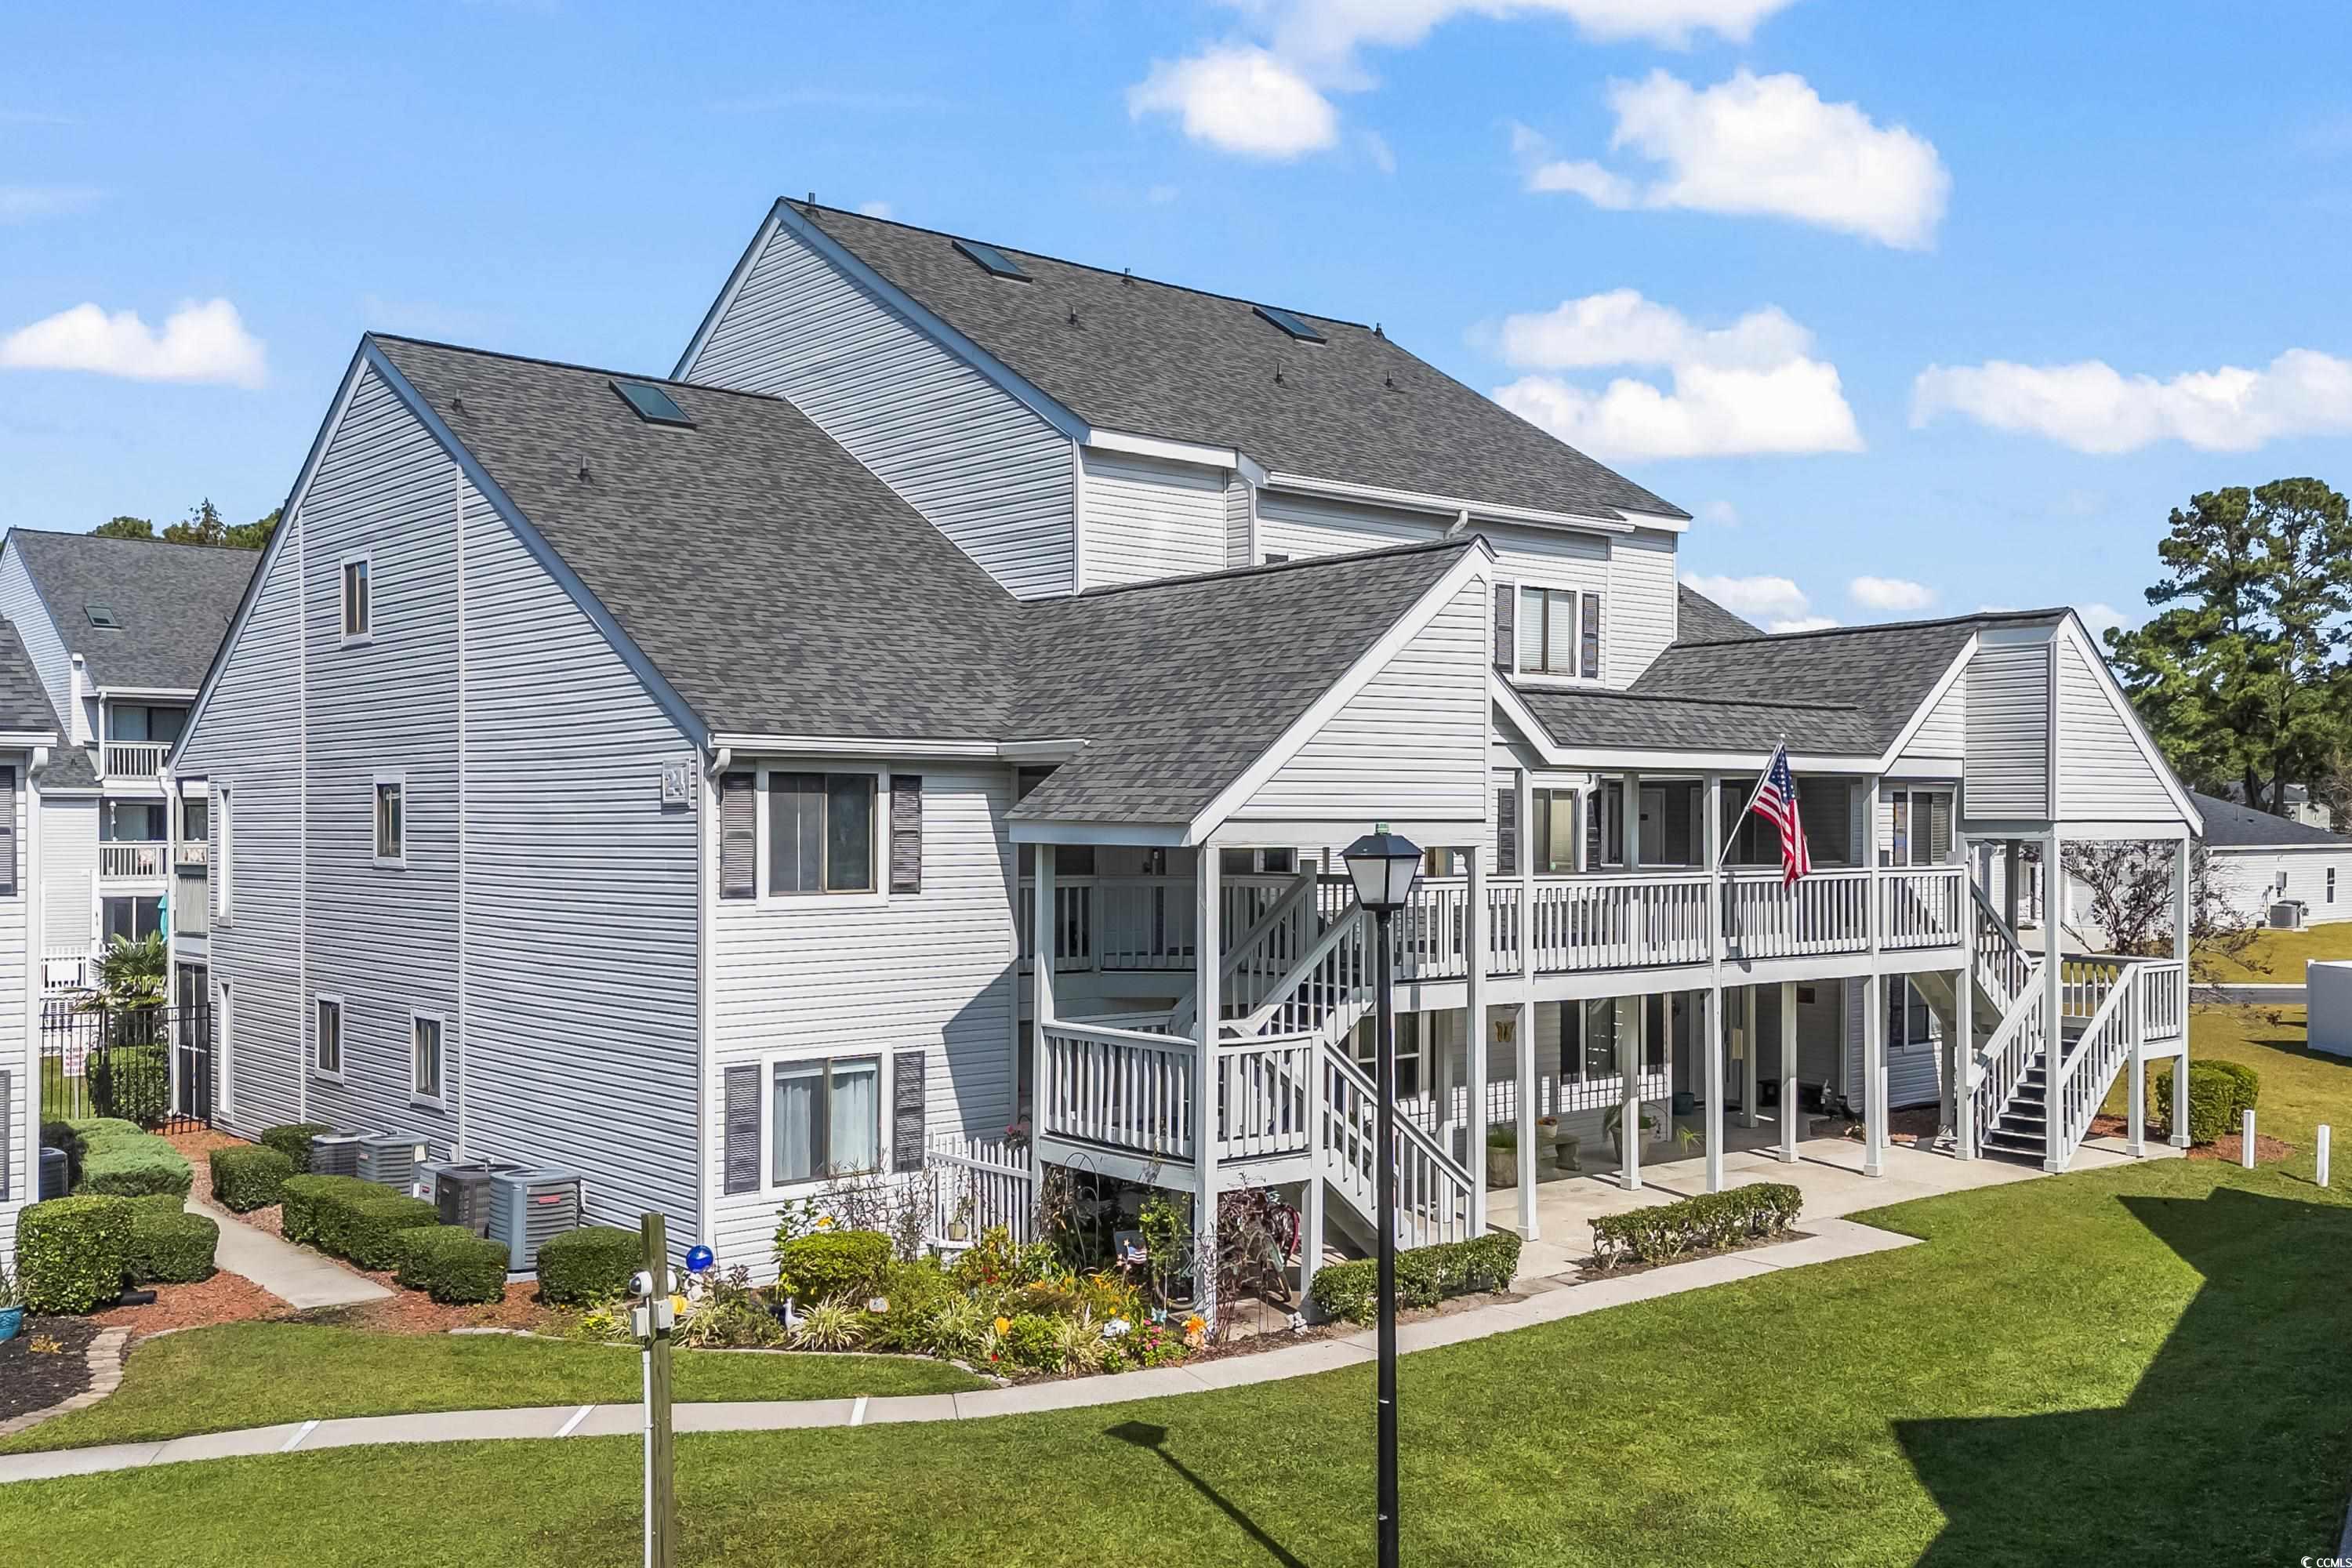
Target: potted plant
x: 1613, y: 1124
x: 1567, y: 1153
x: 1503, y: 1157
x: 12, y: 1306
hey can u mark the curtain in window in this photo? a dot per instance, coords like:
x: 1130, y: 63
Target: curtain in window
x: 1531, y: 628
x: 849, y: 832
x: 856, y: 1115
x: 795, y: 832
x: 1560, y: 632
x: 797, y: 1093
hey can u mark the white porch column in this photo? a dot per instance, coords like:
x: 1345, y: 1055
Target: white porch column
x: 1207, y: 962
x: 1713, y: 1087
x: 1789, y: 1094
x: 1474, y: 1075
x: 2180, y: 919
x: 1874, y: 1075
x: 2135, y: 1103
x: 1963, y: 1047
x: 1629, y: 815
x: 1630, y: 1055
x: 1041, y: 998
x: 1711, y: 1041
x: 2054, y: 994
x: 1523, y: 1039
x: 1751, y: 1033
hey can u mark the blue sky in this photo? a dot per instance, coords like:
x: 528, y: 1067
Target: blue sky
x: 1719, y: 242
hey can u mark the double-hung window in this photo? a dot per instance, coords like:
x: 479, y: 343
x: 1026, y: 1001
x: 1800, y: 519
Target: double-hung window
x: 824, y: 1118
x: 1560, y: 632
x: 1412, y: 1042
x: 327, y: 1038
x: 1555, y: 831
x: 1910, y: 1025
x: 391, y: 821
x: 820, y: 833
x: 424, y: 1055
x: 1919, y: 828
x: 358, y: 599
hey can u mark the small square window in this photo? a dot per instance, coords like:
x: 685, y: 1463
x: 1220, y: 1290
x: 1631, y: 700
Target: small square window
x: 425, y: 1057
x: 653, y: 405
x: 358, y: 601
x: 101, y: 615
x: 390, y: 823
x: 327, y: 1043
x: 820, y: 833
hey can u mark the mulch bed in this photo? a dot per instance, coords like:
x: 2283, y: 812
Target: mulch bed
x: 2267, y: 1150
x: 224, y: 1298
x: 34, y: 1379
x: 414, y: 1312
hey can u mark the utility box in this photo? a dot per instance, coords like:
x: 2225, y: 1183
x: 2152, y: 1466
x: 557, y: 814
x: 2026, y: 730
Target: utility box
x: 2327, y: 988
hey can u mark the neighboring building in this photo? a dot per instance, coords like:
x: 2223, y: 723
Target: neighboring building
x: 28, y: 731
x: 2258, y: 860
x: 677, y: 781
x: 2296, y: 805
x: 120, y: 632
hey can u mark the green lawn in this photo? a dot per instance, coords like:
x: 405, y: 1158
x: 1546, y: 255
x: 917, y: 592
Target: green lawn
x: 254, y: 1375
x: 2301, y: 1088
x: 2143, y: 1364
x: 2280, y: 954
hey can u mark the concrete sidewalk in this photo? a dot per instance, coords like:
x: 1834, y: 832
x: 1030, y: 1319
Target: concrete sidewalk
x: 1549, y: 1300
x: 295, y: 1275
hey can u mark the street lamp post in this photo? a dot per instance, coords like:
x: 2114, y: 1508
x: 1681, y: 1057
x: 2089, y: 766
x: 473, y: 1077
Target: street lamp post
x: 1384, y: 866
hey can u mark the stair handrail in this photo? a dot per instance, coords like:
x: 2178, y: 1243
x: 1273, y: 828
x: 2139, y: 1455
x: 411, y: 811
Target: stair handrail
x: 2010, y: 956
x: 1181, y: 1016
x: 2062, y: 1135
x: 1435, y: 1210
x: 1256, y: 1021
x: 1995, y: 1071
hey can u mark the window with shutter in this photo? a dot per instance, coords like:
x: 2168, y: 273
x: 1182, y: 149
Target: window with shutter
x: 1505, y: 603
x: 738, y: 836
x: 909, y: 1110
x: 7, y: 830
x: 906, y: 833
x: 741, y: 1172
x: 1507, y: 830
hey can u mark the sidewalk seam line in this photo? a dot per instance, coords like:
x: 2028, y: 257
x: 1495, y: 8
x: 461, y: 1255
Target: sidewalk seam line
x: 573, y: 1425
x: 296, y: 1441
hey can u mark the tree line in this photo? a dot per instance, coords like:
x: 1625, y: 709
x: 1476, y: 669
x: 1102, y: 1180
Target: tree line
x: 203, y: 525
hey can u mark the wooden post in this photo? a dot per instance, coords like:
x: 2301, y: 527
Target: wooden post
x: 2136, y: 1108
x: 1207, y: 964
x: 1523, y: 1031
x: 1043, y: 942
x: 2053, y: 997
x: 661, y: 1481
x: 1475, y: 1050
x: 1713, y: 1087
x: 2180, y: 919
x: 1788, y: 1092
x: 1874, y: 1075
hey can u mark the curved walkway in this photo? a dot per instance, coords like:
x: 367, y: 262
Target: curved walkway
x: 1549, y: 1301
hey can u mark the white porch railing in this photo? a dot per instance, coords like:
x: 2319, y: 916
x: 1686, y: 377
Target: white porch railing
x: 134, y: 859
x: 1136, y: 922
x: 133, y: 759
x: 1828, y: 911
x: 2164, y: 987
x: 67, y: 968
x: 975, y: 1185
x: 1120, y: 1088
x: 1617, y: 922
x: 1995, y: 1071
x: 1265, y: 1097
x: 2002, y: 963
x: 1433, y: 1191
x: 1920, y: 906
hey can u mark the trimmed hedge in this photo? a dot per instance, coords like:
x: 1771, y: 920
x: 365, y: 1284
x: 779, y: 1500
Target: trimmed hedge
x: 293, y: 1140
x: 452, y: 1265
x: 834, y: 1265
x: 346, y: 1217
x: 133, y: 1164
x: 61, y: 1135
x: 169, y: 1247
x: 1696, y: 1224
x: 246, y: 1176
x: 71, y: 1253
x: 1425, y: 1275
x: 581, y: 1268
x: 2218, y: 1092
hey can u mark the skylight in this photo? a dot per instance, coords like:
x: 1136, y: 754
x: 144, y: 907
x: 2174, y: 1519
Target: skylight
x: 998, y: 264
x: 652, y: 404
x: 100, y: 615
x: 1290, y: 323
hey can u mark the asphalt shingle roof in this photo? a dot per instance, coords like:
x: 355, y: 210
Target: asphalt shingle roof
x: 2232, y: 826
x: 1628, y: 719
x: 174, y: 602
x: 1698, y: 618
x: 1159, y: 360
x: 781, y: 589
x: 24, y: 702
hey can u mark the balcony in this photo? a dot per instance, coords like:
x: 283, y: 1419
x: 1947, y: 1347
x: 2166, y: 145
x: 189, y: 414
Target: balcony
x: 133, y: 759
x: 123, y: 861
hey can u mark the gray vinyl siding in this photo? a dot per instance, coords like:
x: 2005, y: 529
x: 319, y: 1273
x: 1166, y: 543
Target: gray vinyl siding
x: 2101, y: 771
x: 68, y: 870
x: 556, y: 937
x: 987, y: 470
x: 2009, y: 731
x: 21, y: 606
x: 1411, y: 743
x: 1239, y: 516
x: 1944, y: 733
x: 1641, y: 605
x: 19, y: 1060
x: 933, y: 969
x: 1144, y: 519
x: 2248, y: 880
x: 1301, y: 526
x: 1913, y: 1076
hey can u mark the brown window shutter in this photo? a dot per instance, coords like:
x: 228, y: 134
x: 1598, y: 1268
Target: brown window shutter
x: 1507, y: 831
x: 1506, y: 627
x: 738, y: 838
x: 909, y: 1110
x: 743, y: 1158
x: 906, y: 833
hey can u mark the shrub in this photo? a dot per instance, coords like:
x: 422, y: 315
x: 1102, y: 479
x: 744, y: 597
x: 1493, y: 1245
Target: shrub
x: 170, y: 1246
x: 133, y: 1082
x: 1425, y: 1275
x: 919, y: 1292
x: 293, y: 1140
x: 1696, y: 1224
x: 345, y: 1218
x: 1034, y: 1341
x: 2249, y: 1085
x: 832, y: 1264
x: 731, y: 1315
x: 831, y: 1326
x: 133, y: 1164
x: 71, y: 1253
x: 451, y: 1264
x: 87, y: 1130
x: 2214, y: 1099
x: 588, y: 1265
x: 246, y: 1176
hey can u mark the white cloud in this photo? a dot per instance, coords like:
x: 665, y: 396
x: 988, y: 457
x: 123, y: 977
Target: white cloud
x: 1332, y: 30
x: 1760, y: 595
x: 2101, y: 618
x: 1239, y: 99
x: 1721, y: 513
x: 1750, y: 387
x: 1890, y: 593
x: 875, y: 209
x: 1754, y: 144
x: 2092, y: 407
x: 1376, y: 147
x: 1801, y: 623
x: 23, y: 204
x: 202, y: 342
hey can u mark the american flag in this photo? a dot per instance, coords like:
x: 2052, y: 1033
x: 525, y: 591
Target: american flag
x: 1775, y: 801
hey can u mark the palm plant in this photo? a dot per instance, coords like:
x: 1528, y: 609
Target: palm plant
x: 128, y: 975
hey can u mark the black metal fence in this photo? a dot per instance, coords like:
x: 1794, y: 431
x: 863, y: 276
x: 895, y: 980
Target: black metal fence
x: 153, y: 1066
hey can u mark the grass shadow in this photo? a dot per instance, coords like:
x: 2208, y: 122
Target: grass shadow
x: 1144, y: 1435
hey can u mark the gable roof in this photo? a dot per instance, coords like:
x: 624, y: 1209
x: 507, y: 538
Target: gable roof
x: 1156, y: 359
x: 174, y: 602
x: 1698, y: 618
x: 24, y: 702
x: 781, y: 590
x: 2232, y: 825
